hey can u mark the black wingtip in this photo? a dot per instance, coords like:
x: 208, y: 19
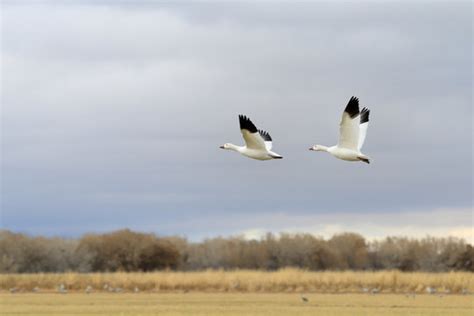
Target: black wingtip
x: 352, y: 107
x: 246, y: 123
x: 364, y: 115
x: 266, y: 137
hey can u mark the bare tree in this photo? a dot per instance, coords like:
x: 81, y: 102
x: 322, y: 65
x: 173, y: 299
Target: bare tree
x: 125, y: 250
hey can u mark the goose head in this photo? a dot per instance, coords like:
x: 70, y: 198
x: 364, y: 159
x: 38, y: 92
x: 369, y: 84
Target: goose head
x: 316, y: 148
x: 226, y: 146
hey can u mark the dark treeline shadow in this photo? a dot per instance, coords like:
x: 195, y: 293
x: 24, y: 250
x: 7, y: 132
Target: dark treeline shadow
x: 125, y: 250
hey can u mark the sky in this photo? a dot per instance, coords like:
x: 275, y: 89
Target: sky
x: 112, y: 116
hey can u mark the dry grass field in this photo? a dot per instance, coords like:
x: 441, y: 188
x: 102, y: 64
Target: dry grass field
x: 282, y: 281
x: 210, y: 304
x: 238, y: 293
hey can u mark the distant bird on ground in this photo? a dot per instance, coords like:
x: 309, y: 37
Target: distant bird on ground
x: 374, y: 291
x: 365, y: 290
x: 352, y: 132
x: 13, y: 290
x: 62, y: 289
x: 36, y: 289
x: 464, y: 291
x: 235, y: 284
x: 304, y: 299
x: 430, y: 290
x: 136, y: 289
x: 258, y: 143
x: 89, y: 289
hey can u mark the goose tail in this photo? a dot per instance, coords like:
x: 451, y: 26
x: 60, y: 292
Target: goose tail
x: 275, y: 155
x: 364, y: 159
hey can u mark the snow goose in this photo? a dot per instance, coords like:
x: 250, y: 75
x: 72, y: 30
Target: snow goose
x: 352, y: 132
x: 258, y: 143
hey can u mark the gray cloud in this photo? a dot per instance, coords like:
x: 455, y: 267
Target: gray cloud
x: 112, y: 115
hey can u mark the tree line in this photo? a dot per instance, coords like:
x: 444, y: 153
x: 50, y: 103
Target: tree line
x: 125, y: 250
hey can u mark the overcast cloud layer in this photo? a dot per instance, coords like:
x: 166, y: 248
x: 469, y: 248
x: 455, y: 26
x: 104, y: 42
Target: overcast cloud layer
x: 112, y: 117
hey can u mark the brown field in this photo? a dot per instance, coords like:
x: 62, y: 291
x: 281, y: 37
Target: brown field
x: 214, y: 304
x: 282, y: 281
x: 238, y: 293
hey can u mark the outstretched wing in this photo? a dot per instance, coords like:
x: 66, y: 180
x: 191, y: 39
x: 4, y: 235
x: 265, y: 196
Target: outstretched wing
x: 267, y: 139
x: 364, y: 124
x: 251, y: 135
x: 349, y: 127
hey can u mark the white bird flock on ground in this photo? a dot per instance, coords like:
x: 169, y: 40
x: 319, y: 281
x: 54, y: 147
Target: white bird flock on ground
x: 352, y: 132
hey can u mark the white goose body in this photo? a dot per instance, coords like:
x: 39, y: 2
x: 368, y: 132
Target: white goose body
x: 352, y: 132
x: 254, y: 153
x: 344, y: 153
x: 258, y: 143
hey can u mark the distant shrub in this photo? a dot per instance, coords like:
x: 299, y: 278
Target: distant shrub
x: 125, y: 250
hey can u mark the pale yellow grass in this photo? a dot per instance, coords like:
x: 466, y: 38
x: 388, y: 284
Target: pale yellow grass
x: 233, y: 304
x: 286, y: 280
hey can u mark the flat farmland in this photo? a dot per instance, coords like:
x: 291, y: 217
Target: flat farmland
x: 242, y: 292
x: 190, y: 303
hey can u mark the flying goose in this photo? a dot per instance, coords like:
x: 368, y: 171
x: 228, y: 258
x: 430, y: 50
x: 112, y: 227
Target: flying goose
x: 258, y: 143
x: 352, y: 131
